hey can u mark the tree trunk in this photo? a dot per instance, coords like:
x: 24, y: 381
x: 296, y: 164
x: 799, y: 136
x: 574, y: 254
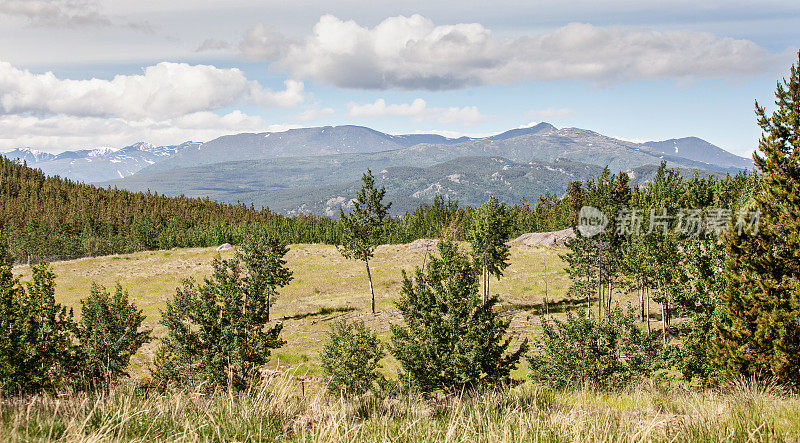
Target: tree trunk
x: 588, y: 295
x: 641, y: 303
x: 371, y: 290
x: 546, y: 305
x: 600, y: 281
x: 648, y: 309
x: 485, y: 280
x: 663, y: 312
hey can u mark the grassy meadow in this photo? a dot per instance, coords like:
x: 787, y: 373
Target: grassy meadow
x: 291, y: 404
x: 325, y: 287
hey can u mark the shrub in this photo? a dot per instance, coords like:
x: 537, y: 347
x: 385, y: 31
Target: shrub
x: 450, y: 340
x: 37, y: 350
x: 611, y: 353
x: 109, y: 334
x: 218, y: 332
x: 351, y: 358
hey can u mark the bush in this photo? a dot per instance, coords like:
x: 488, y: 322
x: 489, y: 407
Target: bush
x: 217, y: 332
x: 611, y: 353
x: 351, y: 358
x: 451, y: 340
x: 37, y: 350
x: 109, y: 335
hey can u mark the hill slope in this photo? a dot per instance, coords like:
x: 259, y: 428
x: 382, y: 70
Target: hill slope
x: 697, y: 149
x: 316, y: 183
x: 303, y: 142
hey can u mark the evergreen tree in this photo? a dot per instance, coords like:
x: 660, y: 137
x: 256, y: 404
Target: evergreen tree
x: 37, y: 351
x: 488, y: 233
x: 263, y: 257
x: 364, y: 226
x: 351, y: 359
x: 759, y: 333
x: 217, y: 332
x: 607, y: 353
x: 450, y: 340
x: 109, y: 334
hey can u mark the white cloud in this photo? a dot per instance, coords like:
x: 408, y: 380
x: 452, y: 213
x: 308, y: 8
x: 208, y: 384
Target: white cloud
x: 417, y: 110
x: 262, y: 43
x: 163, y: 91
x: 550, y: 114
x: 58, y: 13
x: 314, y: 113
x: 414, y: 53
x: 55, y: 133
x: 212, y: 44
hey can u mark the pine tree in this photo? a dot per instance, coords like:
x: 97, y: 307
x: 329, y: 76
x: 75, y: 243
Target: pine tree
x: 450, y: 340
x: 109, y: 335
x: 759, y: 333
x: 364, y: 226
x: 38, y: 351
x: 263, y: 256
x: 351, y: 359
x: 488, y: 233
x: 218, y: 334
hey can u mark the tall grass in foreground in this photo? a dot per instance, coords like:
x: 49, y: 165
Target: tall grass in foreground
x: 278, y: 410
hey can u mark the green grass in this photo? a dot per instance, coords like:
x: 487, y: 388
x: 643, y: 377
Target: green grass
x: 326, y: 287
x: 288, y: 409
x: 292, y: 405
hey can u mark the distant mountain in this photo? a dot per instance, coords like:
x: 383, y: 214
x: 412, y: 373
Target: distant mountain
x: 319, y: 185
x: 697, y: 149
x: 96, y: 165
x: 542, y: 142
x: 315, y: 169
x: 303, y: 142
x: 541, y: 128
x: 29, y: 156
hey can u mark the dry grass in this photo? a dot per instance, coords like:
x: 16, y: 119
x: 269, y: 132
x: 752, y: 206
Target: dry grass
x: 325, y: 287
x: 277, y: 410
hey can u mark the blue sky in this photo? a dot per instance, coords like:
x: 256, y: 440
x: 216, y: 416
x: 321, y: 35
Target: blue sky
x: 80, y: 73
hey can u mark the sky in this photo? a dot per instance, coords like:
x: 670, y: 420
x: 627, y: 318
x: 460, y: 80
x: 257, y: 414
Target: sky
x: 77, y: 74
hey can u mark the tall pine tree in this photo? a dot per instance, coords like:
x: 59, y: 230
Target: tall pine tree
x: 759, y: 333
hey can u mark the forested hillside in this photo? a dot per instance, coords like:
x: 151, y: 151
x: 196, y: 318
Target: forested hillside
x: 50, y: 217
x: 54, y: 217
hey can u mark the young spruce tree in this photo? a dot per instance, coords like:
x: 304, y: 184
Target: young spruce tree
x: 218, y: 334
x: 109, y: 335
x: 450, y: 339
x: 263, y: 256
x: 351, y: 359
x: 37, y: 335
x: 759, y: 333
x: 364, y: 225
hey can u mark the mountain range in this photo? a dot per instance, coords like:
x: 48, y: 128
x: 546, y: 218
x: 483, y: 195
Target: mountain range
x: 315, y: 170
x: 97, y: 165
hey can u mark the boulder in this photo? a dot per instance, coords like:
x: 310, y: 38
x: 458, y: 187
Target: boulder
x: 549, y: 239
x: 224, y: 247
